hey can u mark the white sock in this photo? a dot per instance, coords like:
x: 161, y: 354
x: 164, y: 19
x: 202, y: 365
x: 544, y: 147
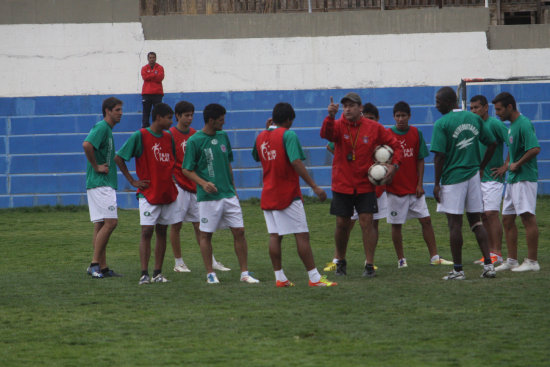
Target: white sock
x: 280, y: 275
x: 244, y: 274
x: 434, y: 258
x: 512, y: 261
x: 314, y: 275
x: 214, y: 262
x: 335, y: 261
x: 179, y: 261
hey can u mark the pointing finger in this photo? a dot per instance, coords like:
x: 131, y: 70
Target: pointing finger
x: 331, y: 101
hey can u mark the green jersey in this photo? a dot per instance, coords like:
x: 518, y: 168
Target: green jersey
x: 457, y: 135
x: 500, y: 131
x: 293, y: 147
x: 101, y: 138
x: 521, y: 138
x: 210, y: 156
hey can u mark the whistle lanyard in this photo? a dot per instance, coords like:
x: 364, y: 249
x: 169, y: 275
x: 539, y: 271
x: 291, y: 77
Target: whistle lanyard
x: 354, y: 143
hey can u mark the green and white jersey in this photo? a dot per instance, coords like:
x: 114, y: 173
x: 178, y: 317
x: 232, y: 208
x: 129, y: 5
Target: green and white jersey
x: 521, y: 138
x: 101, y: 138
x: 500, y: 131
x: 210, y: 157
x: 457, y: 135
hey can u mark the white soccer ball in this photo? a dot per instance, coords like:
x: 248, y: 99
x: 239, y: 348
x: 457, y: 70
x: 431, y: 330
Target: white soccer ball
x: 377, y: 173
x: 383, y: 154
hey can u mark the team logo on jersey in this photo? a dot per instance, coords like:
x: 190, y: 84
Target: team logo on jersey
x: 183, y: 145
x: 159, y: 155
x: 346, y: 136
x: 111, y: 208
x: 204, y: 220
x: 147, y: 214
x: 393, y: 213
x: 365, y: 139
x: 214, y: 141
x: 465, y: 143
x: 267, y: 154
x: 223, y: 148
x: 407, y: 152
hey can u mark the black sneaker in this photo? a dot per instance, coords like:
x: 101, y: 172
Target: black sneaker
x: 111, y: 273
x: 341, y: 267
x: 369, y: 272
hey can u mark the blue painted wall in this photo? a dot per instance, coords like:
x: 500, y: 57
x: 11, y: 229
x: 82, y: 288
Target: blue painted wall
x: 42, y: 162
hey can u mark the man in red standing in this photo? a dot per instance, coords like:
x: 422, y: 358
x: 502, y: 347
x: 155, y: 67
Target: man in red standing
x: 152, y: 92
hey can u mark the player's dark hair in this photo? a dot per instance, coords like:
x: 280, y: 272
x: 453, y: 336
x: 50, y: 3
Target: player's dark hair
x: 183, y: 107
x: 213, y: 111
x: 283, y: 112
x: 162, y: 110
x: 109, y: 104
x: 151, y: 53
x: 479, y: 98
x: 402, y: 106
x: 370, y: 108
x: 505, y: 100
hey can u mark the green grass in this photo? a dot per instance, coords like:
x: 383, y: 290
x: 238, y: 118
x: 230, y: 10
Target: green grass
x: 53, y: 314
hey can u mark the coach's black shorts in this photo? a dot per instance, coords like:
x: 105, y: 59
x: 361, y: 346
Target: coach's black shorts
x: 342, y: 204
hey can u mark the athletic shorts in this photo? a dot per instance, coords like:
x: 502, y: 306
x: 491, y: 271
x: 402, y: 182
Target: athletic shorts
x: 401, y: 208
x: 102, y: 203
x: 342, y: 205
x: 186, y: 203
x: 382, y: 203
x: 151, y: 214
x: 461, y: 196
x: 491, y: 191
x: 289, y: 220
x: 220, y: 214
x: 519, y: 198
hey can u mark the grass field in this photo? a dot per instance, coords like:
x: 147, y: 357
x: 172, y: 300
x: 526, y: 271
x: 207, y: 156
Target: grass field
x: 53, y: 314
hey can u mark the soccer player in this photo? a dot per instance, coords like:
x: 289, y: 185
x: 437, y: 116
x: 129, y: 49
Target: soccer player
x: 188, y: 210
x: 520, y: 197
x: 406, y: 197
x: 281, y: 155
x: 355, y: 139
x: 101, y: 184
x: 151, y: 92
x: 207, y: 162
x: 370, y: 112
x: 492, y: 186
x: 153, y: 149
x: 457, y: 187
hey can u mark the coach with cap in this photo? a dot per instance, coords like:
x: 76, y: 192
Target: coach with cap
x: 355, y: 138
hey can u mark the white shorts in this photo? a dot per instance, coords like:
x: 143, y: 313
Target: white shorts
x: 519, y: 198
x: 187, y: 208
x: 461, y: 196
x: 151, y: 214
x: 102, y: 203
x: 491, y: 191
x: 401, y: 208
x: 287, y: 221
x: 382, y: 203
x: 220, y: 214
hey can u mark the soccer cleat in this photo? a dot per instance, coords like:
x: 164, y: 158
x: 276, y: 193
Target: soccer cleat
x: 249, y: 279
x: 111, y: 274
x: 181, y: 269
x: 441, y: 261
x: 212, y: 279
x: 402, y: 263
x: 144, y: 280
x: 285, y: 284
x: 488, y: 271
x: 159, y: 279
x: 219, y: 266
x: 94, y: 272
x: 455, y: 275
x: 330, y: 266
x: 341, y: 266
x: 506, y: 266
x: 323, y: 282
x: 527, y: 265
x: 495, y: 259
x: 369, y: 273
x: 480, y: 261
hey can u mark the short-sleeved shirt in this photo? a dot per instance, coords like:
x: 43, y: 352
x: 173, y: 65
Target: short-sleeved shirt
x: 500, y: 131
x: 457, y: 135
x: 292, y: 146
x: 101, y: 138
x: 210, y: 156
x: 521, y: 138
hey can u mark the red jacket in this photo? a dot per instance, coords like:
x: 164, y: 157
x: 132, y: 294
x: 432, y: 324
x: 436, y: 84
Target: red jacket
x: 350, y: 176
x: 152, y: 79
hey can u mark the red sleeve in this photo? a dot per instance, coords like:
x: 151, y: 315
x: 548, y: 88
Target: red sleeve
x: 328, y: 130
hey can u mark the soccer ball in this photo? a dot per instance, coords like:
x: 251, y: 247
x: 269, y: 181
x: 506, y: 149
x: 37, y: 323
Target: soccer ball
x: 383, y: 154
x: 376, y: 174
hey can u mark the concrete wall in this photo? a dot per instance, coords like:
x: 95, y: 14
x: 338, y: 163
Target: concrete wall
x: 505, y: 37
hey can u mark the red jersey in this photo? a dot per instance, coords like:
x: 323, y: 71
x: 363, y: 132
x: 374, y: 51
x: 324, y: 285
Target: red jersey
x: 281, y: 183
x: 180, y: 139
x: 406, y: 179
x: 156, y: 164
x: 354, y: 145
x: 152, y: 79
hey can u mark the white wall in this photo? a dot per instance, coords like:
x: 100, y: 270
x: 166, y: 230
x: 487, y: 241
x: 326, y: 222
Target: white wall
x: 105, y: 58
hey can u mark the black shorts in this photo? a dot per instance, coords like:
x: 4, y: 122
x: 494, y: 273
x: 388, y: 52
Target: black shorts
x: 342, y: 204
